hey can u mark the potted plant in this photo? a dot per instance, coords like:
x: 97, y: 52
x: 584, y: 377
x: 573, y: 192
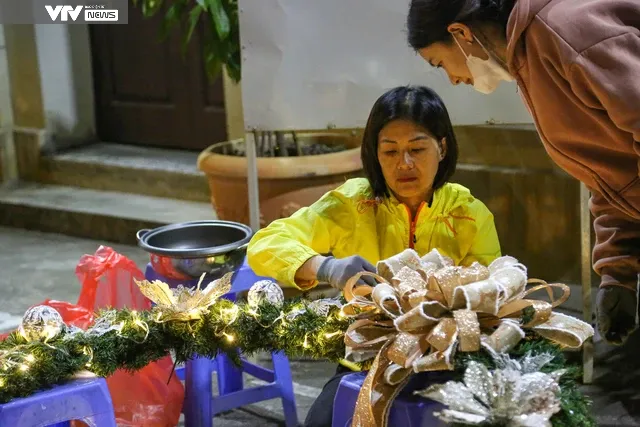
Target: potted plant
x: 221, y: 47
x: 287, y: 163
x: 302, y: 164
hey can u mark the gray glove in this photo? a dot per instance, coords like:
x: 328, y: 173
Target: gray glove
x: 617, y: 309
x: 336, y: 272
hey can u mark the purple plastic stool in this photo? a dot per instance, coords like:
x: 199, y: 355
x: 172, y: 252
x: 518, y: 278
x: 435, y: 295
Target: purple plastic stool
x: 407, y: 410
x: 86, y: 400
x: 200, y: 405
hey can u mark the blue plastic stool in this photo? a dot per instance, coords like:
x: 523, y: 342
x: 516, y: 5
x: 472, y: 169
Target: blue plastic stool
x: 407, y: 410
x: 86, y: 400
x: 200, y: 405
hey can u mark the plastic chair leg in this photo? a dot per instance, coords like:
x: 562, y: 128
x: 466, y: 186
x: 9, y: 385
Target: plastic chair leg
x: 282, y: 372
x: 229, y: 376
x: 197, y: 408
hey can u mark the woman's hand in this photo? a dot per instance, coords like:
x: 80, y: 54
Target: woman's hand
x: 306, y: 274
x: 336, y: 272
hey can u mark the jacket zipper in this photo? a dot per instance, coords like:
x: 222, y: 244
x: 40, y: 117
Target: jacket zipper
x: 412, y: 224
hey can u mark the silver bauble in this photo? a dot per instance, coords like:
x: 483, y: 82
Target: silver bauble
x: 265, y: 290
x: 41, y: 323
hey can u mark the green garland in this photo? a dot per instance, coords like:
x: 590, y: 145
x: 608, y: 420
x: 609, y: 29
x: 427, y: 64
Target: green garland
x: 26, y: 367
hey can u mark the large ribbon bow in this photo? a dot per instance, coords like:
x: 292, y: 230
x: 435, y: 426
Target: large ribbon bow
x: 424, y: 309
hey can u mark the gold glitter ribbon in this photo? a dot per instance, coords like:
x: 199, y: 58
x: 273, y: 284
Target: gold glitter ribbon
x: 183, y: 304
x: 425, y: 309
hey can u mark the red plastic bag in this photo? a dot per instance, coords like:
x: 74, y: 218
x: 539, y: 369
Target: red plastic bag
x: 73, y: 315
x: 107, y: 281
x: 143, y: 398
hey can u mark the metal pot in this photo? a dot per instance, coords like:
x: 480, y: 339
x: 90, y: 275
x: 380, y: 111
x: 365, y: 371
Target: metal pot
x: 186, y: 250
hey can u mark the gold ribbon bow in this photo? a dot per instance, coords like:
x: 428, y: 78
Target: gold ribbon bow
x: 425, y: 309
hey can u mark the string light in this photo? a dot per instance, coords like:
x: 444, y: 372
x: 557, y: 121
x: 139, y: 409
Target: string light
x: 142, y: 325
x: 229, y: 338
x: 24, y: 368
x: 88, y: 351
x: 282, y: 318
x: 30, y: 358
x: 50, y: 332
x: 305, y: 344
x: 332, y: 334
x: 229, y: 315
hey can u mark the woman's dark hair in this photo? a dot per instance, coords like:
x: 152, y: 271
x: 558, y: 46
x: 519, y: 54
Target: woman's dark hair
x: 428, y: 20
x: 420, y: 105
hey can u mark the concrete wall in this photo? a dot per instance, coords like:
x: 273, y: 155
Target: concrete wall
x: 64, y: 57
x: 5, y: 92
x: 8, y: 169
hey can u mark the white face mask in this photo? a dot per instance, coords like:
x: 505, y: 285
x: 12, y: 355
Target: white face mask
x: 487, y: 73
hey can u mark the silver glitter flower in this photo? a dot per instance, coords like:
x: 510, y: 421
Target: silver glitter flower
x: 516, y: 394
x: 103, y: 324
x: 321, y: 307
x: 265, y: 290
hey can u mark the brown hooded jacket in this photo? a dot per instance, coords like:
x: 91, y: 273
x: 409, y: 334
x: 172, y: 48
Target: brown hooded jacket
x: 577, y: 64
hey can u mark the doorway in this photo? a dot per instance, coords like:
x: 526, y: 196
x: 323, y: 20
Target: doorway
x: 150, y: 92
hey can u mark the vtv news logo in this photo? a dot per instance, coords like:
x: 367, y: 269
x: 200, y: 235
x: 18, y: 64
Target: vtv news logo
x: 91, y: 13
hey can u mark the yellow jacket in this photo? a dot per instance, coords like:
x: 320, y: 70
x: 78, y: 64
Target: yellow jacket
x: 347, y: 221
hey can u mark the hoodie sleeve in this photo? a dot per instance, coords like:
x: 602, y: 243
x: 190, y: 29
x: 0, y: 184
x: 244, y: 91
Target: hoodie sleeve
x: 605, y: 76
x: 616, y: 254
x: 280, y: 249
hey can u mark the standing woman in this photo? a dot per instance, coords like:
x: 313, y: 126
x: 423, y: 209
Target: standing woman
x: 577, y: 66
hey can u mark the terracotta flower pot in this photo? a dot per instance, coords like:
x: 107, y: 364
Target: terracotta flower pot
x: 287, y: 204
x: 227, y: 174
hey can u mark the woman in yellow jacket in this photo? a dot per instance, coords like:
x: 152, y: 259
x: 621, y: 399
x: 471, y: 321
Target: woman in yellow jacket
x: 409, y: 152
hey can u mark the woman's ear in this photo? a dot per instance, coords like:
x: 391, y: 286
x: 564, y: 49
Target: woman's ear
x: 443, y: 148
x: 461, y: 31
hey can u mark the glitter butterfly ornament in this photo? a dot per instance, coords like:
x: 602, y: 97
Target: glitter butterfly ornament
x: 184, y: 304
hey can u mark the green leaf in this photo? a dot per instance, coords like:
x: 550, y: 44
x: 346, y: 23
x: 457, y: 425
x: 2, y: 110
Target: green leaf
x: 221, y: 41
x: 219, y: 16
x: 150, y: 7
x: 214, y: 67
x: 171, y: 18
x: 194, y: 17
x: 234, y: 70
